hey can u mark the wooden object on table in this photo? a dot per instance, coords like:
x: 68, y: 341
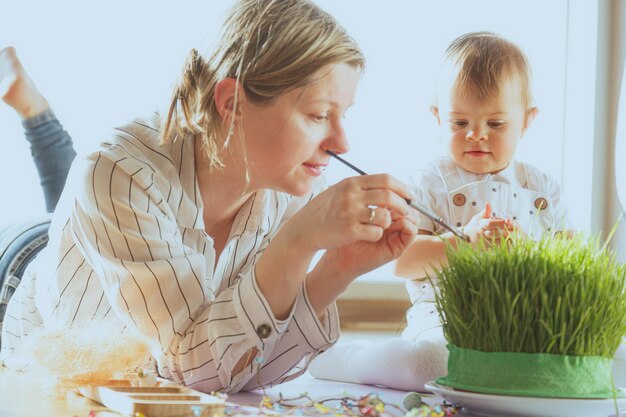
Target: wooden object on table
x: 164, y: 399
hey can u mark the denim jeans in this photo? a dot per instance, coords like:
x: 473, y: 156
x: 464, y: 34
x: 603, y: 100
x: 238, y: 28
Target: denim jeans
x: 53, y: 152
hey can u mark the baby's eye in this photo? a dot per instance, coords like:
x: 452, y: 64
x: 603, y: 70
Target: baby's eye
x: 496, y: 124
x: 458, y: 123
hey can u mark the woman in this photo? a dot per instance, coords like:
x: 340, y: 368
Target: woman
x: 196, y: 230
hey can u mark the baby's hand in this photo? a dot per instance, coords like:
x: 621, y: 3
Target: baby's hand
x: 492, y: 229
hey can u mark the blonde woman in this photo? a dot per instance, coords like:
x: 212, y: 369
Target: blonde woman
x: 196, y: 229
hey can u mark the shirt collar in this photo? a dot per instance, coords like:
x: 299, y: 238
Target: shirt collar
x: 508, y: 175
x: 254, y: 215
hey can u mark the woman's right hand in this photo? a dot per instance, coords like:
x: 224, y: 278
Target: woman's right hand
x: 363, y: 222
x: 355, y: 209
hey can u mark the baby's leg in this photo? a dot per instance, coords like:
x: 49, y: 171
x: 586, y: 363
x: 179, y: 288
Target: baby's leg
x: 395, y: 363
x: 405, y: 363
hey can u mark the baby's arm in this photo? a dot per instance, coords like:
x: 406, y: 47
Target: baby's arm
x: 428, y: 252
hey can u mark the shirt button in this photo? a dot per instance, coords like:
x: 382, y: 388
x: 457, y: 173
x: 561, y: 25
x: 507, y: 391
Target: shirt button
x: 264, y: 331
x: 541, y: 203
x: 459, y: 199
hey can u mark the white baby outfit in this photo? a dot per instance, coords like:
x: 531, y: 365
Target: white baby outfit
x: 520, y: 192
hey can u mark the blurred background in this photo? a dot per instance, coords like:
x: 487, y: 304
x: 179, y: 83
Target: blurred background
x: 102, y: 63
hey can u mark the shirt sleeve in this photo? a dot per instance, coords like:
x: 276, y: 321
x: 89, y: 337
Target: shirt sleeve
x: 154, y: 283
x: 307, y: 335
x: 561, y: 220
x: 425, y: 186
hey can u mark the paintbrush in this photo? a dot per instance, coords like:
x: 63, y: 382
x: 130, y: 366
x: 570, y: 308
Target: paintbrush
x: 433, y: 216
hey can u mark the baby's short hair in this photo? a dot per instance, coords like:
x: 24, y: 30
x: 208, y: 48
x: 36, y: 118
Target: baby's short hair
x: 478, y: 63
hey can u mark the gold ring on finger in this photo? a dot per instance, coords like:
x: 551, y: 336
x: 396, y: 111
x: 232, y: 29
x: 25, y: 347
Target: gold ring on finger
x: 372, y: 215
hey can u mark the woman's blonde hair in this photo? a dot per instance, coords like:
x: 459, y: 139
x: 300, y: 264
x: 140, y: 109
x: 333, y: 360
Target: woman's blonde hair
x: 479, y: 62
x: 270, y: 47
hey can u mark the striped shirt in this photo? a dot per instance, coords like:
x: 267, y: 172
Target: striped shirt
x: 128, y: 251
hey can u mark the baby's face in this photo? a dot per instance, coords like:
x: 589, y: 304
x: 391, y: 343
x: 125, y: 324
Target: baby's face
x: 483, y: 133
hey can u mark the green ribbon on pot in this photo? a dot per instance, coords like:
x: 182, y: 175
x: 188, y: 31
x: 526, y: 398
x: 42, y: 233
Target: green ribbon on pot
x: 530, y: 374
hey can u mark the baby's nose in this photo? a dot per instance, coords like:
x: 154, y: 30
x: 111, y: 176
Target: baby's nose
x: 472, y: 135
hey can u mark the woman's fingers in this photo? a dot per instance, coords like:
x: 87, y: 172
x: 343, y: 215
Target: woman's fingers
x: 383, y: 193
x: 377, y: 216
x: 406, y: 227
x: 386, y: 182
x: 388, y: 199
x: 355, y: 209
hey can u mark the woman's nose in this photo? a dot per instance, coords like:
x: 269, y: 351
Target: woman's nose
x: 337, y: 140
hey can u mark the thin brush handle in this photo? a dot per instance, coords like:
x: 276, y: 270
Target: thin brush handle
x: 434, y: 217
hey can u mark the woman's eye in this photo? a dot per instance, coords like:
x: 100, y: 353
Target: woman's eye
x: 319, y: 117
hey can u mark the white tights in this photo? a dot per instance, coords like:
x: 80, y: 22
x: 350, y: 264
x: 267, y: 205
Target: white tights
x: 402, y: 362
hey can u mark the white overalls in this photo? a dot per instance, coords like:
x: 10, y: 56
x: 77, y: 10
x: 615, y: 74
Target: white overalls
x: 520, y: 192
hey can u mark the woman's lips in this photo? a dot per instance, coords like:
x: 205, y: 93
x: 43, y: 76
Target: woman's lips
x: 314, y: 169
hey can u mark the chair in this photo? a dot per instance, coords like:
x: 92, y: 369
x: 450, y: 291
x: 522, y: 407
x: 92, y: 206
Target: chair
x: 19, y: 244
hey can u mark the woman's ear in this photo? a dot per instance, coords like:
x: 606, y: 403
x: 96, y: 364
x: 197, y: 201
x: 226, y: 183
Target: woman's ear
x: 224, y: 96
x: 530, y: 116
x: 435, y: 111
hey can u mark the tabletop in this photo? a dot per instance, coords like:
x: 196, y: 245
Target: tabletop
x: 23, y: 395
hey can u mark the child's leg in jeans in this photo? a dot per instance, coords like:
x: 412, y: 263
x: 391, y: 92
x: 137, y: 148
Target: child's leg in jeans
x: 51, y: 146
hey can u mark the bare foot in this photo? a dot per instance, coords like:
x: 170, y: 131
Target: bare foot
x: 16, y: 87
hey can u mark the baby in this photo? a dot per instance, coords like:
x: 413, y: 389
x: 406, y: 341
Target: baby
x: 484, y: 106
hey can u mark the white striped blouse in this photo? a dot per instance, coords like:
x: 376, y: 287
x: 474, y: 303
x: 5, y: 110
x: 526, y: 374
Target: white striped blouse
x: 128, y: 251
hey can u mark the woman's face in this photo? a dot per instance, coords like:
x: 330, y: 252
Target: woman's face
x: 287, y: 139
